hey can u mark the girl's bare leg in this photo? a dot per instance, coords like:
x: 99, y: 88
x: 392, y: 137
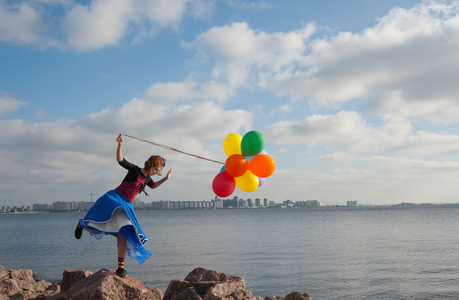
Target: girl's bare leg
x: 122, y: 246
x: 122, y: 249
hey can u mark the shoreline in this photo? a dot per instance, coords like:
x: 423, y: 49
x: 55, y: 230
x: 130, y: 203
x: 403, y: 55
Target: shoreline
x: 24, y: 212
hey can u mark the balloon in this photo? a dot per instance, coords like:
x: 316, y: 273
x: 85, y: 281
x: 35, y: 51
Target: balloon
x: 223, y: 184
x: 262, y: 165
x: 252, y: 143
x: 247, y: 165
x: 247, y: 182
x: 236, y: 165
x: 261, y: 180
x: 232, y: 144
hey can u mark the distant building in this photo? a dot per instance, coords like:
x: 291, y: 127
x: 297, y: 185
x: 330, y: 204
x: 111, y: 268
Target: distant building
x: 137, y: 203
x: 351, y: 203
x: 41, y: 207
x: 308, y: 203
x: 61, y: 206
x: 242, y: 203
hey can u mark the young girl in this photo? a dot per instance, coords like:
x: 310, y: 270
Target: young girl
x: 113, y: 213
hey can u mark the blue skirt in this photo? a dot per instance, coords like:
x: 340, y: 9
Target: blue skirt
x: 113, y: 214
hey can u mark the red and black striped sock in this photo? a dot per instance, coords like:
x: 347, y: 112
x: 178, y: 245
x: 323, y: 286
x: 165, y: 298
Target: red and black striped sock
x: 121, y: 262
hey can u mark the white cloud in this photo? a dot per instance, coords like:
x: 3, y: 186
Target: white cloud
x: 202, y: 9
x: 164, y: 12
x: 21, y: 23
x: 338, y: 156
x: 410, y: 54
x: 347, y: 131
x: 171, y: 92
x: 189, y: 89
x: 95, y: 25
x: 102, y: 23
x: 242, y: 48
x: 9, y: 104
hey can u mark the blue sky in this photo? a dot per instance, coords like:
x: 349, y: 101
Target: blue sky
x: 357, y: 99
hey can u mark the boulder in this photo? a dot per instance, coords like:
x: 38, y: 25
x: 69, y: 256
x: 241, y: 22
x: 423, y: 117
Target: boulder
x: 21, y: 284
x: 209, y: 285
x: 292, y: 296
x: 104, y: 285
x: 71, y: 277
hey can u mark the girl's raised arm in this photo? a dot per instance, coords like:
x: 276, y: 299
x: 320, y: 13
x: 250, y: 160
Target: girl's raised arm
x: 119, y: 150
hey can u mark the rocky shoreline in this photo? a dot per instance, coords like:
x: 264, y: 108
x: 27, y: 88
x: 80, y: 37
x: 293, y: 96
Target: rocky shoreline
x: 200, y: 284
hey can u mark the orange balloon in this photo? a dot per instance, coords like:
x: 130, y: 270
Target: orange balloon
x: 236, y: 165
x: 262, y: 165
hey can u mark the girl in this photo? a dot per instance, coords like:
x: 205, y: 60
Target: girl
x: 113, y: 213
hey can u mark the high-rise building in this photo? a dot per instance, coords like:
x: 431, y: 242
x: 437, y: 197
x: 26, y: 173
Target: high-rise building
x: 351, y: 203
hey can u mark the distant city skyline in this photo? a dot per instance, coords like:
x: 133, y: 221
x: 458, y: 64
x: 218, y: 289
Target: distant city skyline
x: 216, y: 203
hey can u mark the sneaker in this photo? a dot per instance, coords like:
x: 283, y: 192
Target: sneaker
x: 121, y: 272
x: 78, y: 232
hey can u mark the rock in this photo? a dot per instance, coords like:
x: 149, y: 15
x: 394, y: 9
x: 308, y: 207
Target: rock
x: 24, y: 295
x: 298, y: 296
x: 105, y: 285
x: 21, y: 284
x: 199, y: 284
x: 209, y: 285
x: 292, y: 296
x: 9, y: 287
x: 71, y: 277
x: 187, y: 294
x: 22, y: 274
x: 3, y: 273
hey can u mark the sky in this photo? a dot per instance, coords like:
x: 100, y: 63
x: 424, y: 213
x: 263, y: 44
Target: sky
x: 357, y: 100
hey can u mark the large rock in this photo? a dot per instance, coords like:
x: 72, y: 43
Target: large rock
x: 209, y: 285
x: 103, y: 285
x: 292, y: 296
x: 203, y: 284
x: 21, y: 284
x: 71, y: 277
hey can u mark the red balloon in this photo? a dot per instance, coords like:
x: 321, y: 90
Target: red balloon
x: 262, y: 165
x: 223, y: 184
x: 236, y: 165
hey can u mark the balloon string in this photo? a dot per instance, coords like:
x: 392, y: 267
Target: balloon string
x: 173, y: 149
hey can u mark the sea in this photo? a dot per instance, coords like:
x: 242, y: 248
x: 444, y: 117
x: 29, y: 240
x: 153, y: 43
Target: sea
x: 391, y: 252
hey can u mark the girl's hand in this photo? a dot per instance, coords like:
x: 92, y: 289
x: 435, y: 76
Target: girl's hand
x: 119, y: 139
x: 169, y: 173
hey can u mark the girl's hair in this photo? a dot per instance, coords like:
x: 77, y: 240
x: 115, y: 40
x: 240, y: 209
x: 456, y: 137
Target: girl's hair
x: 155, y: 161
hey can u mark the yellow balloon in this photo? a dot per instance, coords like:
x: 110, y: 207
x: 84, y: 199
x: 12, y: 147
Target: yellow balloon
x: 247, y: 182
x: 232, y: 144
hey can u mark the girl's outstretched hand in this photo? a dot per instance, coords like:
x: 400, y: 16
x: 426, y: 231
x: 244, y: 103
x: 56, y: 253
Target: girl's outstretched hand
x: 169, y: 173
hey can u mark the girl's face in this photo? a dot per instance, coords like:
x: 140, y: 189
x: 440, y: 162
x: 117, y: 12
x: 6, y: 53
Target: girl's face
x: 155, y: 170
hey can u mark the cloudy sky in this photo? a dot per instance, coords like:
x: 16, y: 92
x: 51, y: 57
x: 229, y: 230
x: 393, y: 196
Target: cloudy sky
x: 357, y: 100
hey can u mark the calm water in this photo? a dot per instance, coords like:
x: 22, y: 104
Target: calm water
x: 341, y: 253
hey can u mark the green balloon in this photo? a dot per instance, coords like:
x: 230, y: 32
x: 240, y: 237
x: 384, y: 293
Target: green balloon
x: 252, y: 143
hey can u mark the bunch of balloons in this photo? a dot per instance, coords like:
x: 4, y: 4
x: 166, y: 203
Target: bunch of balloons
x: 247, y: 165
